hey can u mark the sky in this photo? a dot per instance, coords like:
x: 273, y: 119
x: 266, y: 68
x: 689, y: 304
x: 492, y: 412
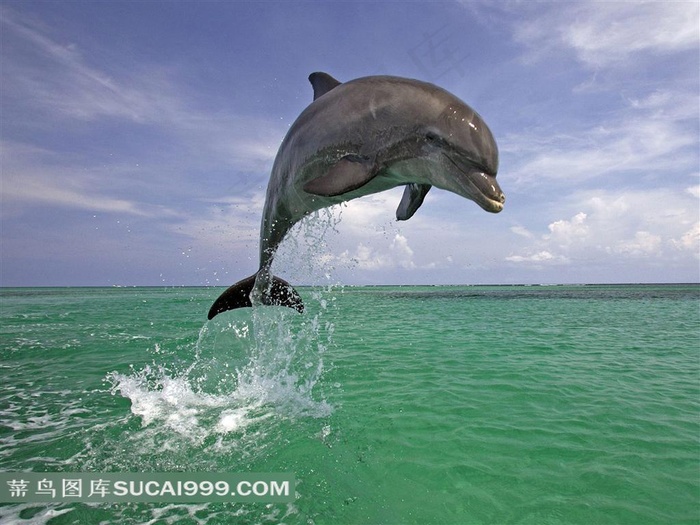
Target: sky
x: 137, y: 139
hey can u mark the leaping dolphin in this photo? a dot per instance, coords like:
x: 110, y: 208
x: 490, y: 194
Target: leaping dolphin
x: 362, y: 137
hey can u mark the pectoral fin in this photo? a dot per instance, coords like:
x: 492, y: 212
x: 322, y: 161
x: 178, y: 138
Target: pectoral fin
x: 412, y: 198
x: 349, y: 173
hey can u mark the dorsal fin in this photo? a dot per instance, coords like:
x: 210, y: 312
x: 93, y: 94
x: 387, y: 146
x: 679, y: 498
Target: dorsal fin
x: 322, y: 83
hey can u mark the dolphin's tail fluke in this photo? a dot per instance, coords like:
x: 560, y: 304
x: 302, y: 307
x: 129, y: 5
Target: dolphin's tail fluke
x: 279, y: 293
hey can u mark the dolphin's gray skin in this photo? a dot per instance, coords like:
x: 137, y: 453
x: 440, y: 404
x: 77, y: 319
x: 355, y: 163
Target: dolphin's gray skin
x: 363, y: 137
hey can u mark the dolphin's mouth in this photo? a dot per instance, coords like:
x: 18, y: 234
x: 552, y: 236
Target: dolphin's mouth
x: 491, y: 198
x: 482, y: 188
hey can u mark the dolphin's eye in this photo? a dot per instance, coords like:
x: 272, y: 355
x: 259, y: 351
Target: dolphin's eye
x: 431, y: 137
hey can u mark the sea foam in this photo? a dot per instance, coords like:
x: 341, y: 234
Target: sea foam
x: 249, y: 365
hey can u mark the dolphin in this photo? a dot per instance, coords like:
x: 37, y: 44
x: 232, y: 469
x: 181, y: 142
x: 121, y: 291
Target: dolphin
x: 362, y: 137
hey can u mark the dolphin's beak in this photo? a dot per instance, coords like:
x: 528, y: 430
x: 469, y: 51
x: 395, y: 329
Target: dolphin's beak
x: 479, y: 186
x: 487, y: 193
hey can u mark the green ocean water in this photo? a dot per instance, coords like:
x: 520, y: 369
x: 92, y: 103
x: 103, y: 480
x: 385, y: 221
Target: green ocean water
x: 417, y: 405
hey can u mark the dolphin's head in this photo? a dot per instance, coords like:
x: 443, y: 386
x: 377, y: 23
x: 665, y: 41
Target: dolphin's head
x: 463, y: 155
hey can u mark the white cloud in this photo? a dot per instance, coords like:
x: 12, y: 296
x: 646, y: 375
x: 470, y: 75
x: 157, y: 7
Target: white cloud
x: 565, y: 233
x: 617, y: 225
x: 232, y: 222
x: 59, y: 79
x: 522, y: 231
x: 690, y: 240
x: 644, y: 142
x: 642, y: 244
x: 602, y: 34
x: 53, y: 84
x: 694, y: 191
x: 402, y: 251
x: 366, y: 258
x: 372, y: 212
x: 59, y: 82
x: 652, y: 130
x: 38, y: 189
x: 669, y: 100
x: 361, y: 239
x: 538, y: 258
x: 34, y: 176
x: 242, y: 143
x: 398, y: 254
x: 608, y: 32
x: 447, y: 233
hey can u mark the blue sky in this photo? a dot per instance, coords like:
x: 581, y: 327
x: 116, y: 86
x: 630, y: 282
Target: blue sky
x: 137, y: 140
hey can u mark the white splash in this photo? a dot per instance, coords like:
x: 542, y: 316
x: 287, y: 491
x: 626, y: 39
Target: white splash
x: 247, y: 367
